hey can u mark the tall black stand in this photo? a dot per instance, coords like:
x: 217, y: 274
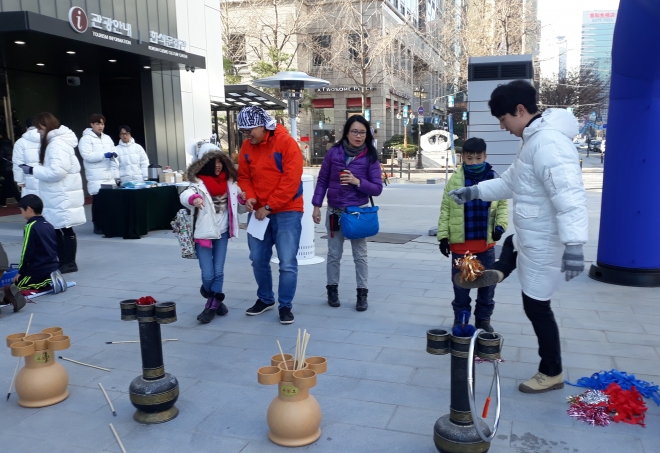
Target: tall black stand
x: 154, y: 393
x: 455, y: 432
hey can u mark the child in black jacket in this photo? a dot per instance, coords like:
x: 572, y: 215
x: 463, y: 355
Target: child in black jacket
x: 38, y: 255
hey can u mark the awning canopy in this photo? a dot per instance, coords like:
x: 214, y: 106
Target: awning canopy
x: 239, y: 96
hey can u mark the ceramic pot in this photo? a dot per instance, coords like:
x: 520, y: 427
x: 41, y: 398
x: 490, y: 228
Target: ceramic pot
x: 437, y: 341
x: 40, y: 340
x: 275, y: 360
x: 59, y: 342
x: 294, y: 416
x: 489, y: 345
x: 53, y: 330
x: 304, y: 379
x: 42, y: 381
x: 22, y: 348
x: 154, y: 399
x: 269, y: 375
x: 146, y: 313
x: 317, y: 363
x: 165, y: 312
x: 14, y: 337
x: 128, y: 309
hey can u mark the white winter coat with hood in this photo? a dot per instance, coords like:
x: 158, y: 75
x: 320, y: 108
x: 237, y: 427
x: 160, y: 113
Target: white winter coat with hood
x: 60, y: 183
x: 549, y: 200
x: 98, y: 168
x: 133, y: 161
x: 208, y: 224
x: 26, y: 151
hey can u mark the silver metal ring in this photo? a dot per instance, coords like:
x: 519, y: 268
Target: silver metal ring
x: 471, y: 395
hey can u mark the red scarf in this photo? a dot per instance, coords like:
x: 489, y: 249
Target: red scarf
x: 216, y: 185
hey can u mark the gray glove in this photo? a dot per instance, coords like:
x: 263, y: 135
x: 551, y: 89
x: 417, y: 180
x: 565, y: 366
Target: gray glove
x: 464, y: 194
x: 572, y: 263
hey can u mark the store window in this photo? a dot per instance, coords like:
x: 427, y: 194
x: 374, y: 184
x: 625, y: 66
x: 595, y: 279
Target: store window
x: 323, y: 129
x: 321, y: 45
x: 236, y: 48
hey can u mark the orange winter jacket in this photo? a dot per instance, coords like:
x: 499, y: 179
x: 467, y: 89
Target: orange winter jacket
x: 271, y: 172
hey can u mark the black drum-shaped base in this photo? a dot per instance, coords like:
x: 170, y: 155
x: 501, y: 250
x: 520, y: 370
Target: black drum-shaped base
x: 645, y: 278
x: 154, y: 399
x: 452, y: 438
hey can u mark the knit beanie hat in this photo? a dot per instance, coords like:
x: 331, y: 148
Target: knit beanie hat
x: 253, y: 116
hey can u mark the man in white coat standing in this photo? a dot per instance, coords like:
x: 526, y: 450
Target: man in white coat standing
x: 550, y: 216
x: 100, y: 158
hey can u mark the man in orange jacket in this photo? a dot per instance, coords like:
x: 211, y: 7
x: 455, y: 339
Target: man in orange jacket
x: 270, y: 168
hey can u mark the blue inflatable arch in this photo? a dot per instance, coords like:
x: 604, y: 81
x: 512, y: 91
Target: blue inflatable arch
x: 629, y: 242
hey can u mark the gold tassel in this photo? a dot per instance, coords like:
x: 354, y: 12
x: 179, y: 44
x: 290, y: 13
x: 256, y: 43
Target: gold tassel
x: 469, y: 266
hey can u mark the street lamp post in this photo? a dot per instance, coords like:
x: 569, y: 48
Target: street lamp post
x: 421, y: 94
x: 291, y: 85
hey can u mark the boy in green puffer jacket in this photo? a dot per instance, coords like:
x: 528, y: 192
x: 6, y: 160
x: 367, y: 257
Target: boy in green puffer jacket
x: 475, y: 227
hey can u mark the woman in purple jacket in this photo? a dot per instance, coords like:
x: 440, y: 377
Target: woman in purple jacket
x: 355, y: 158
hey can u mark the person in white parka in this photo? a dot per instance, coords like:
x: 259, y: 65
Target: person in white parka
x: 100, y: 159
x: 26, y: 151
x: 550, y: 216
x: 60, y: 185
x: 133, y: 160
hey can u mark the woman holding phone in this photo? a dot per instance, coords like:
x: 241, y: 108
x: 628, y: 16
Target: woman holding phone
x: 350, y: 174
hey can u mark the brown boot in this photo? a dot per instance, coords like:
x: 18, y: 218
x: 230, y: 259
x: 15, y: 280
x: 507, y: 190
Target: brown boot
x: 542, y: 383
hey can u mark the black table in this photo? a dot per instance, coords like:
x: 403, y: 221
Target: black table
x: 132, y: 213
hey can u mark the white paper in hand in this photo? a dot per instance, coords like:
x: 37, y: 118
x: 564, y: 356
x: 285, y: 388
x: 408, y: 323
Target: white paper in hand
x: 257, y: 228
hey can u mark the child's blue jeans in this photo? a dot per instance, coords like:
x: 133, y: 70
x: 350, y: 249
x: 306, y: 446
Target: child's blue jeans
x: 485, y: 303
x: 212, y: 263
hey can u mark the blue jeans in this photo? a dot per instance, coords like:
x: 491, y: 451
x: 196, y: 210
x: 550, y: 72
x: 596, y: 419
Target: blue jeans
x: 283, y: 232
x: 485, y: 303
x: 212, y: 263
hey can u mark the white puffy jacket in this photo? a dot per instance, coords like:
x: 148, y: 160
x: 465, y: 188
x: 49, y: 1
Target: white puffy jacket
x: 60, y: 183
x: 26, y: 151
x: 98, y: 168
x: 549, y: 200
x: 207, y: 225
x: 133, y: 161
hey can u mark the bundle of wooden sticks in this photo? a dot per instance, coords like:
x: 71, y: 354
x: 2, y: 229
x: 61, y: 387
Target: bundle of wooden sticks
x: 301, y: 351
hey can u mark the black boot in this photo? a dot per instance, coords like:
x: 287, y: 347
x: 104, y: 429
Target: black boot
x: 500, y: 270
x: 484, y: 324
x: 508, y: 257
x: 70, y: 248
x: 333, y: 295
x: 361, y: 304
x: 217, y: 305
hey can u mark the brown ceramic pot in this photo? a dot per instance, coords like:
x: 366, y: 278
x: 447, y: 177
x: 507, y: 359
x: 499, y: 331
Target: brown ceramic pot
x: 14, y: 337
x: 42, y: 381
x: 277, y: 358
x: 269, y: 375
x: 294, y: 416
x: 317, y: 363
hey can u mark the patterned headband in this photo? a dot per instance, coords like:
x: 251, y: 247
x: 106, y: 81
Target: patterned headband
x: 253, y: 116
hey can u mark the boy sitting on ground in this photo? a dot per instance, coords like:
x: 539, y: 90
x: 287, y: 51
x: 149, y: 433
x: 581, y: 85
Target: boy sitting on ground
x: 474, y: 227
x: 38, y: 256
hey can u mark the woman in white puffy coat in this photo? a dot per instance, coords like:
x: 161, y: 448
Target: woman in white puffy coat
x: 214, y: 196
x: 550, y: 216
x: 60, y: 185
x: 133, y: 160
x: 26, y: 152
x: 99, y: 155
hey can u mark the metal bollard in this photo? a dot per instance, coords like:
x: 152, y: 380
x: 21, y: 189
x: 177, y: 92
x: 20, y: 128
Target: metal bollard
x: 580, y: 164
x: 392, y: 166
x: 601, y: 157
x: 401, y: 172
x: 408, y: 171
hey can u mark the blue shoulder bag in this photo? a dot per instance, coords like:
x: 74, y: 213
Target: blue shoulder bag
x: 358, y: 223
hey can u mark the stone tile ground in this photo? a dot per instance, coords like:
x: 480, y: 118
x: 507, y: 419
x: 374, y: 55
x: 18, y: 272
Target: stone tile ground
x: 382, y: 391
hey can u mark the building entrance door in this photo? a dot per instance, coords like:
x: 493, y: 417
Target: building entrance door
x: 323, y: 141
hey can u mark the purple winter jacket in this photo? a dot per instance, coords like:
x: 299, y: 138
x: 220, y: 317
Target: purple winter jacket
x: 369, y: 174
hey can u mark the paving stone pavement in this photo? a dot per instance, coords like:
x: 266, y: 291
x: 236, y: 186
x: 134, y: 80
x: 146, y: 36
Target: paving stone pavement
x: 382, y: 391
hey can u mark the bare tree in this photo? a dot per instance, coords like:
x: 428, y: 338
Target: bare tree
x: 582, y: 89
x: 483, y: 28
x: 353, y: 39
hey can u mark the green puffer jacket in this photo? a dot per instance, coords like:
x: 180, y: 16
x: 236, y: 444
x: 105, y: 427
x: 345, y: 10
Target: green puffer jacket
x: 451, y: 223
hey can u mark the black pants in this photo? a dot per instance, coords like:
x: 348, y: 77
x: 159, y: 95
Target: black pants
x: 9, y: 188
x: 539, y: 312
x: 95, y: 209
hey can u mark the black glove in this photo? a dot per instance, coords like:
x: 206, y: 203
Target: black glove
x: 444, y: 247
x: 497, y: 233
x: 26, y: 169
x: 114, y: 155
